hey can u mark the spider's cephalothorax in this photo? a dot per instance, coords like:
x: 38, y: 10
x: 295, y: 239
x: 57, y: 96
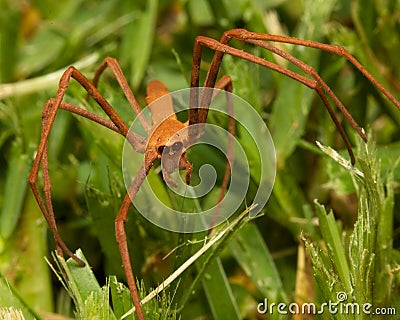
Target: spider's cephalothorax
x: 168, y: 136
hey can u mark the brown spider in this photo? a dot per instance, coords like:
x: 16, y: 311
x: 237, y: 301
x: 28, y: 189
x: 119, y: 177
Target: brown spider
x: 163, y: 128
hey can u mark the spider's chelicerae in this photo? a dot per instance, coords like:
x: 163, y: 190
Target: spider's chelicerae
x: 159, y: 133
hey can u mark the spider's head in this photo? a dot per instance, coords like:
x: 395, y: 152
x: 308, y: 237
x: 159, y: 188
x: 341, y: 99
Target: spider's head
x: 172, y: 150
x: 173, y: 156
x: 168, y: 141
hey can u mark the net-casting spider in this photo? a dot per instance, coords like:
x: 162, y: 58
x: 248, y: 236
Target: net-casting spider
x: 160, y: 131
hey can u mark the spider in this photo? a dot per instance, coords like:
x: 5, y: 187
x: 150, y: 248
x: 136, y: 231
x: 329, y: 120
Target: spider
x: 162, y: 129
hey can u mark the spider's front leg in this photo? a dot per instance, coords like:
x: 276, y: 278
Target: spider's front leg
x: 120, y: 233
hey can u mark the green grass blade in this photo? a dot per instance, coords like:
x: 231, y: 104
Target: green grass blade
x: 367, y: 272
x: 40, y: 83
x: 138, y: 42
x: 120, y: 297
x: 372, y: 239
x: 9, y: 22
x: 290, y: 111
x: 9, y: 297
x: 103, y: 209
x: 252, y: 254
x: 325, y: 275
x: 330, y: 234
x: 91, y: 301
x: 385, y: 254
x: 82, y: 278
x: 219, y: 293
x: 15, y: 188
x: 34, y: 279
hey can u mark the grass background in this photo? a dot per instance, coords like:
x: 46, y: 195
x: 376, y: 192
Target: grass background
x: 154, y: 40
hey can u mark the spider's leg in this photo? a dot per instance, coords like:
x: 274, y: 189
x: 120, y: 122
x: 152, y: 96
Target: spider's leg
x: 120, y: 228
x: 123, y: 83
x: 198, y: 115
x: 46, y: 206
x: 199, y: 102
x: 244, y: 35
x: 137, y: 141
x: 222, y: 48
x: 321, y: 88
x: 49, y: 113
x: 225, y: 83
x: 319, y: 81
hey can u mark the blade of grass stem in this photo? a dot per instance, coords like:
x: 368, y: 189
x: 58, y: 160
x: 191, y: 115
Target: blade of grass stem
x: 220, y: 237
x: 15, y: 188
x: 48, y: 81
x: 252, y: 254
x: 9, y: 297
x: 89, y: 298
x: 218, y: 291
x: 331, y: 236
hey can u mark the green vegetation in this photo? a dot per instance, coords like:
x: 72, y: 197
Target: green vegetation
x: 293, y: 252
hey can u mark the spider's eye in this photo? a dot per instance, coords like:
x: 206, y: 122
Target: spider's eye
x: 177, y: 146
x: 162, y: 148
